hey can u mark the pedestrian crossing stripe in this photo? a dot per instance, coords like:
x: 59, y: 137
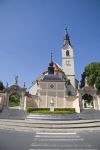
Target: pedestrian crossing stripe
x: 64, y: 149
x: 54, y: 141
x: 57, y: 136
x: 54, y: 133
x: 60, y: 140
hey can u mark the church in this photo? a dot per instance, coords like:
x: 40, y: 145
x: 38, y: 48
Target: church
x: 57, y: 83
x: 56, y: 87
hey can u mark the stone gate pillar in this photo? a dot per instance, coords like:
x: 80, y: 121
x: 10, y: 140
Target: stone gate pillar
x: 22, y: 99
x: 98, y: 99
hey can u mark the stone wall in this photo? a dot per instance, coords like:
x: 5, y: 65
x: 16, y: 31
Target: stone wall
x: 73, y: 102
x: 43, y: 102
x: 30, y: 101
x: 2, y: 100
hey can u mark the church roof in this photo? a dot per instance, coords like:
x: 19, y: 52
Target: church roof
x: 51, y: 77
x: 57, y: 68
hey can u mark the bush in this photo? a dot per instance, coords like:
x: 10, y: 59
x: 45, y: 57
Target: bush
x: 31, y: 109
x: 37, y: 109
x: 65, y: 109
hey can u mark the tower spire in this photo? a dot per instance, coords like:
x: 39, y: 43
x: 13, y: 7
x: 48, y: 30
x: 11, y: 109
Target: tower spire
x: 51, y: 68
x: 66, y: 31
x: 51, y: 56
x: 66, y: 38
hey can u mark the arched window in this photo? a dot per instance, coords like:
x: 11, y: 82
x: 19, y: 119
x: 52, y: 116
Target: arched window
x: 67, y: 53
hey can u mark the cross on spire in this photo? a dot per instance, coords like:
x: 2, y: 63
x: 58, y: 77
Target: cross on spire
x: 51, y: 55
x: 65, y: 30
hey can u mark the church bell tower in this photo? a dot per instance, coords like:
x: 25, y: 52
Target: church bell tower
x: 68, y: 59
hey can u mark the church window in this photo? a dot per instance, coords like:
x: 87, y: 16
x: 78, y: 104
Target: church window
x: 67, y: 53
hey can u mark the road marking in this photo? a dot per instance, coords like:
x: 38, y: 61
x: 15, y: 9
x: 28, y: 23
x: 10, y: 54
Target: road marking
x: 57, y: 136
x: 60, y: 146
x: 65, y: 149
x: 60, y: 140
x: 54, y: 133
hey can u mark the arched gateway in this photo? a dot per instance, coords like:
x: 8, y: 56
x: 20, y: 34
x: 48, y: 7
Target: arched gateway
x: 19, y: 91
x: 91, y: 92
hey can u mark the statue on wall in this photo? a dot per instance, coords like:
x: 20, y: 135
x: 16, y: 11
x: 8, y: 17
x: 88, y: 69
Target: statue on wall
x: 24, y: 85
x: 95, y: 87
x: 86, y: 84
x: 16, y: 79
x: 7, y: 85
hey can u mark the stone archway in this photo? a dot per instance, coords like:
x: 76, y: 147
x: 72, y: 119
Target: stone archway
x: 18, y: 90
x: 87, y: 101
x: 14, y: 100
x: 89, y: 91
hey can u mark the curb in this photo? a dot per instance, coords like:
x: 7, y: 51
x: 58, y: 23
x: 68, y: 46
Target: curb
x: 50, y: 125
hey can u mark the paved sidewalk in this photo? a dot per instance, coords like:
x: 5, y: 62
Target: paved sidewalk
x: 89, y: 114
x: 13, y: 113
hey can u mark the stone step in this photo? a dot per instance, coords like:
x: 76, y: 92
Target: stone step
x: 54, y: 117
x: 48, y: 125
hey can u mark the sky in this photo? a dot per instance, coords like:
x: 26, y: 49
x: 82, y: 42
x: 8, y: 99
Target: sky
x: 31, y: 29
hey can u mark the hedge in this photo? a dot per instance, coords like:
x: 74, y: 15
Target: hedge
x: 31, y: 109
x: 65, y: 109
x: 37, y: 109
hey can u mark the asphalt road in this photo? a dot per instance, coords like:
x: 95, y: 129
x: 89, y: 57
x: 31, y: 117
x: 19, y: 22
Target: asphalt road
x: 15, y: 140
x: 80, y: 140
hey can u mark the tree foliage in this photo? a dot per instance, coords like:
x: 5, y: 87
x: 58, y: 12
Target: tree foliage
x: 14, y: 100
x: 92, y: 72
x: 87, y: 97
x: 1, y: 86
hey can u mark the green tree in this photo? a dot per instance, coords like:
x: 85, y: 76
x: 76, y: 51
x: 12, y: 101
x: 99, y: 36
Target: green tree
x: 88, y: 98
x: 92, y: 72
x: 1, y: 86
x: 14, y: 100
